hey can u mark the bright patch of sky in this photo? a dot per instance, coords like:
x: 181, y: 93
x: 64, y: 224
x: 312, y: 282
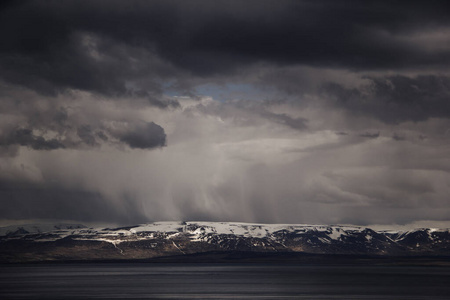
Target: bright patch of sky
x: 232, y: 91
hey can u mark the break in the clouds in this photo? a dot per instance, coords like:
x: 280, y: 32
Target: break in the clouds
x: 259, y: 111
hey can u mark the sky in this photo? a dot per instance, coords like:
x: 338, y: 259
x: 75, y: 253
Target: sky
x: 322, y: 112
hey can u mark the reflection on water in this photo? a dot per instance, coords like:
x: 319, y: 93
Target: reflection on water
x: 220, y: 281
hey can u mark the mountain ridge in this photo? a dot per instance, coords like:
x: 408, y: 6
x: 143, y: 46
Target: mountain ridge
x: 164, y: 239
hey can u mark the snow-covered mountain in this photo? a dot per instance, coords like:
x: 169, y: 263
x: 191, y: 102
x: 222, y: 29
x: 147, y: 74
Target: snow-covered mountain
x: 158, y: 239
x: 16, y: 230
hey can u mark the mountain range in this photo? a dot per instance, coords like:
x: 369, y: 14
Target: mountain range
x: 76, y: 242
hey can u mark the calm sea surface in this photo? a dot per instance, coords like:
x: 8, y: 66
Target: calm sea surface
x: 221, y: 281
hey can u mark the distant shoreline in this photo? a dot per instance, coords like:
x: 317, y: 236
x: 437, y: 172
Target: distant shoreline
x: 243, y: 257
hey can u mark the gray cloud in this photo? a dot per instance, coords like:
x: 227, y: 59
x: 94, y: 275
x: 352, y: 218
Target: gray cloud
x: 370, y: 135
x: 25, y: 137
x: 394, y: 99
x: 398, y: 137
x: 285, y: 119
x: 248, y: 113
x: 145, y: 136
x: 86, y: 135
x: 49, y: 123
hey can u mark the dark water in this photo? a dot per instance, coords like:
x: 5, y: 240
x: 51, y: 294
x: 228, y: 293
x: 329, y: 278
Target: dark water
x: 220, y: 281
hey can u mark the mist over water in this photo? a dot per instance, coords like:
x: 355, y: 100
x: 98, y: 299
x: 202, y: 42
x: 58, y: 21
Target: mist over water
x: 222, y: 281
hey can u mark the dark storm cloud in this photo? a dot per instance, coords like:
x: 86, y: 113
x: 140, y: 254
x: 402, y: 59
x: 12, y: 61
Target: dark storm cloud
x: 102, y: 45
x: 348, y: 34
x: 394, y: 99
x: 145, y: 136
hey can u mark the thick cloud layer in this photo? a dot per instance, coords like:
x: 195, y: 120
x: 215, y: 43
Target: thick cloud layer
x: 262, y: 111
x: 103, y: 45
x: 395, y: 99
